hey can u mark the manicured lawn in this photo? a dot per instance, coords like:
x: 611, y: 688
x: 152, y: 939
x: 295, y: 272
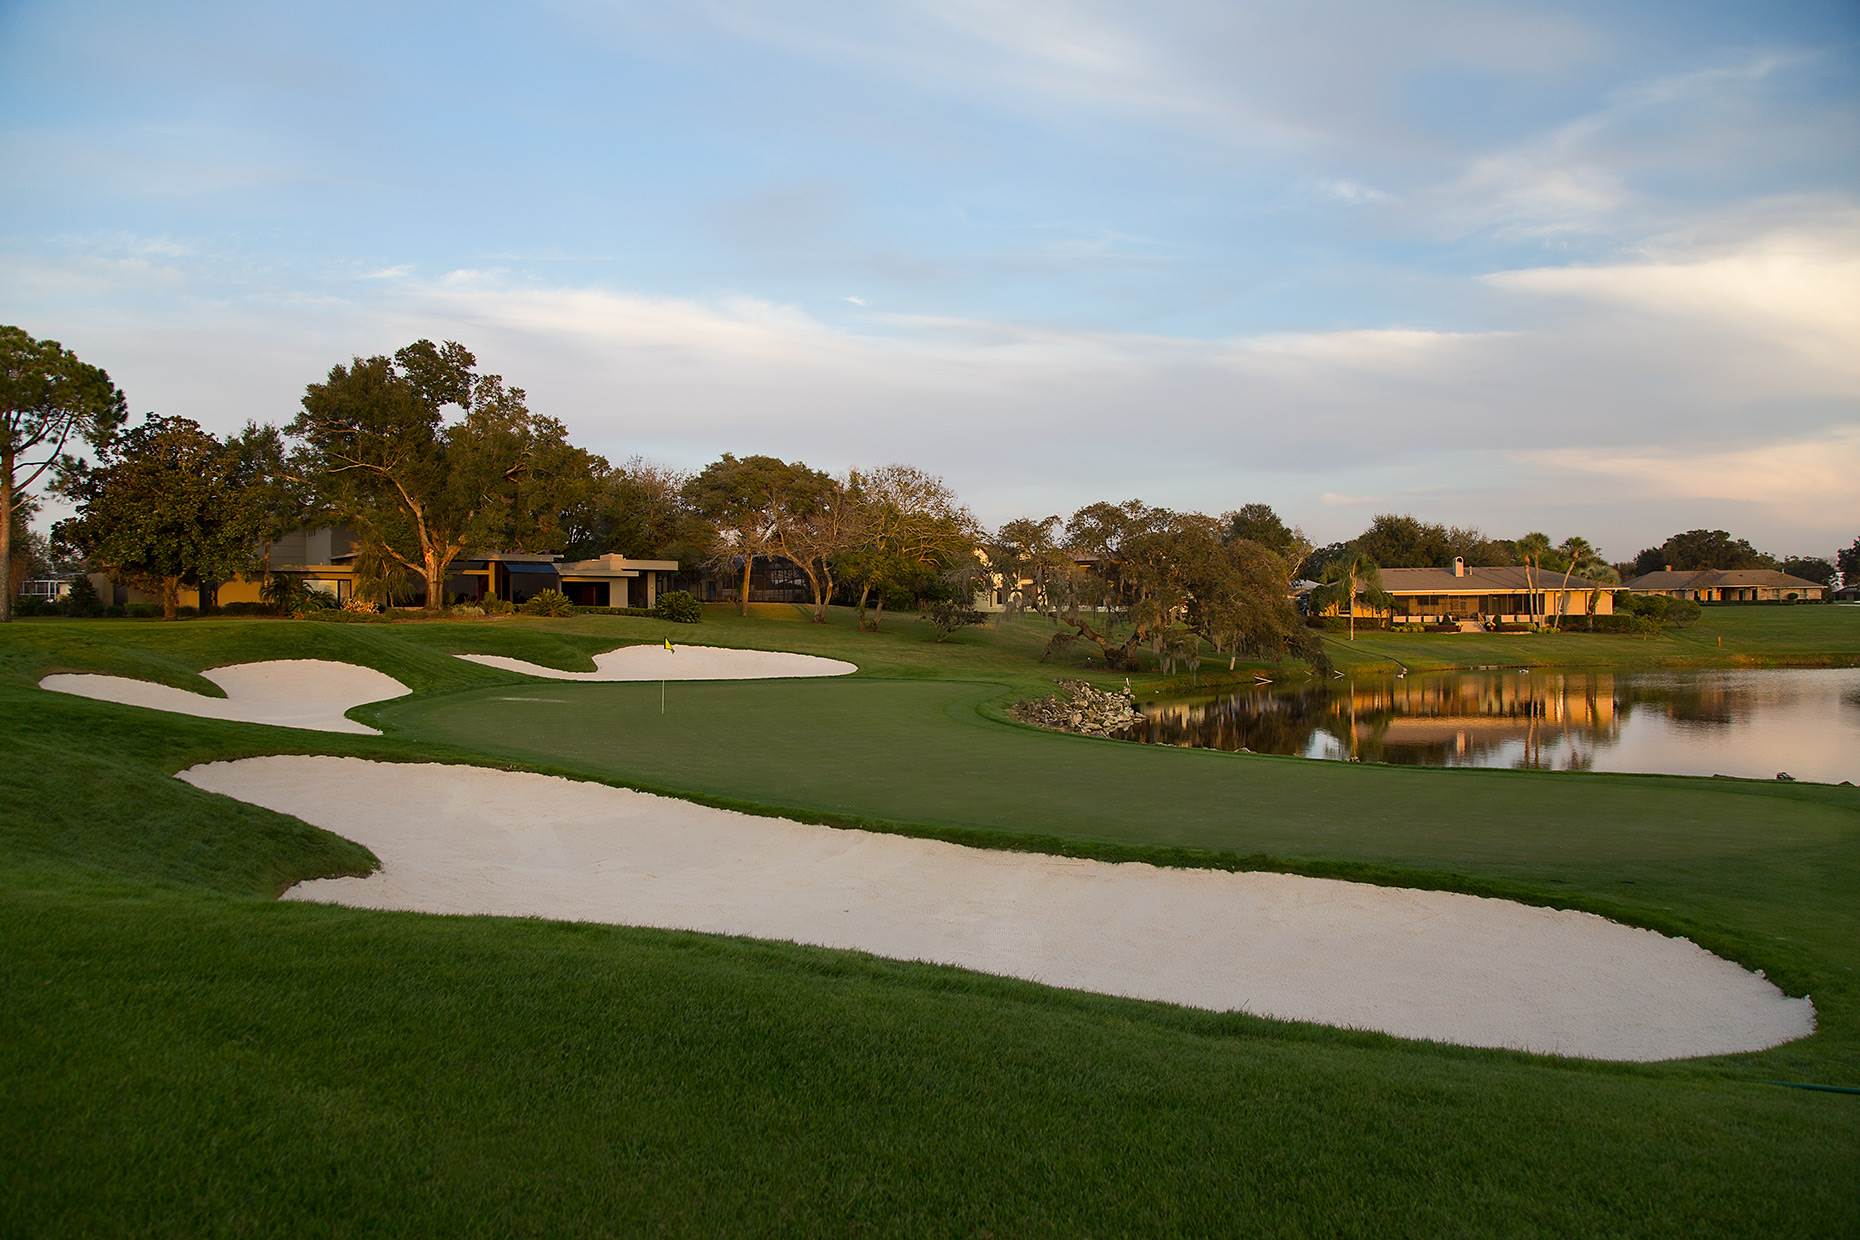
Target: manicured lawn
x: 1817, y: 635
x: 181, y: 1054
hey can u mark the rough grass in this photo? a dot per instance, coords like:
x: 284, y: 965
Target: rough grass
x: 180, y: 1054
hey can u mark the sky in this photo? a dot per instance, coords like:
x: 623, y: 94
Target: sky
x: 1588, y: 269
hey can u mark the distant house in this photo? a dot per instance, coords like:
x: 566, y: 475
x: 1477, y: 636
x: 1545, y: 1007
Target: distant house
x: 1507, y: 595
x: 323, y: 558
x: 1729, y: 585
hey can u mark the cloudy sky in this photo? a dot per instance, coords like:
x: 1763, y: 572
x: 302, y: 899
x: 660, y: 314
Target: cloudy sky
x: 1588, y: 269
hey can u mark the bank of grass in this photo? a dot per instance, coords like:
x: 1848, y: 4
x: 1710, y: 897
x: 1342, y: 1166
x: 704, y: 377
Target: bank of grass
x: 181, y: 1054
x: 1803, y: 635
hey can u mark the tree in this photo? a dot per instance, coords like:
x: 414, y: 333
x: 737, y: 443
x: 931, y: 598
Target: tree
x: 740, y: 499
x: 913, y: 531
x: 1697, y: 549
x: 164, y: 508
x: 380, y: 453
x: 1531, y: 550
x: 1259, y: 523
x: 817, y: 519
x: 48, y: 398
x: 1849, y: 561
x: 1171, y: 577
x: 275, y: 497
x: 1033, y: 569
x: 1348, y: 580
x: 637, y: 509
x: 1579, y: 556
x: 1810, y: 568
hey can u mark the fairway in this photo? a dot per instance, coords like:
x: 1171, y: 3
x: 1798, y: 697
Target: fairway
x: 173, y: 1004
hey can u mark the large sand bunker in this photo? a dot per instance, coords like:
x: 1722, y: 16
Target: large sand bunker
x: 655, y: 662
x: 289, y: 693
x: 1419, y: 964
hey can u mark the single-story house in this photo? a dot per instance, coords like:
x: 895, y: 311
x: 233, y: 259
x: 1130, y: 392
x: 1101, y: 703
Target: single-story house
x: 1508, y: 595
x: 1729, y: 585
x: 323, y: 558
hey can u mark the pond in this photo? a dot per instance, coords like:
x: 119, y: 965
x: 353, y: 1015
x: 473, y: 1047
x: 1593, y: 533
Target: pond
x: 1751, y: 723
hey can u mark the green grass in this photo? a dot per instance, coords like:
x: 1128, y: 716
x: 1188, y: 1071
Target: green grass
x: 1808, y: 635
x: 181, y: 1054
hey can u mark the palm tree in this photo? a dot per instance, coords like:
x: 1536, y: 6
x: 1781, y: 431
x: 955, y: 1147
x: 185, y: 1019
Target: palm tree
x: 1347, y: 579
x: 1583, y: 558
x: 1532, y: 549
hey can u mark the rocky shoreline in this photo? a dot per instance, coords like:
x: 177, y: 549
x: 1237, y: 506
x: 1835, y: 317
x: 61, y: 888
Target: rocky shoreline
x: 1081, y: 708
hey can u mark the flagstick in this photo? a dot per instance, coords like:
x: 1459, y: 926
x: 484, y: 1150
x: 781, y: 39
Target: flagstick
x: 661, y: 697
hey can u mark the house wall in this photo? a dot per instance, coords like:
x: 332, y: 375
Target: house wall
x: 1507, y: 608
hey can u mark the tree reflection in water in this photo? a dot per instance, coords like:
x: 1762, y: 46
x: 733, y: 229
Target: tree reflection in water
x: 1546, y: 720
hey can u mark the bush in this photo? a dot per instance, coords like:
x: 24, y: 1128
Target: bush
x: 1341, y: 624
x: 289, y: 595
x: 679, y: 607
x: 645, y: 612
x: 1660, y: 609
x: 28, y: 605
x: 115, y: 611
x: 948, y: 614
x: 492, y: 606
x: 1641, y: 625
x: 336, y: 615
x: 359, y: 606
x: 142, y: 611
x: 83, y: 600
x: 465, y: 609
x: 549, y: 603
x: 246, y: 609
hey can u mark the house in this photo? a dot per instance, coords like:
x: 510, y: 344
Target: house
x: 1729, y: 585
x: 323, y: 558
x: 1511, y: 594
x: 995, y: 593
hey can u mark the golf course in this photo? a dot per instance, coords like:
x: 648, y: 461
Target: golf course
x: 186, y: 1053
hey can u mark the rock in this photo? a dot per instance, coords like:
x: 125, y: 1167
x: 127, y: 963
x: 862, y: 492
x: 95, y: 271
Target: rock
x: 1082, y: 709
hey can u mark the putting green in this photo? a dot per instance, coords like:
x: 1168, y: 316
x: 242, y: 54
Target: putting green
x: 925, y: 753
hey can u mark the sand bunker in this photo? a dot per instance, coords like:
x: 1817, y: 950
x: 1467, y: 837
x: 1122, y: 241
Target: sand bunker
x: 646, y: 662
x: 1420, y: 964
x: 288, y: 693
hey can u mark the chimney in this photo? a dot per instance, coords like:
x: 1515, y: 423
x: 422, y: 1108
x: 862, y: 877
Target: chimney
x: 1459, y: 566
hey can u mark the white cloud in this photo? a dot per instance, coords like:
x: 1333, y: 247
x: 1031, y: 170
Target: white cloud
x: 1354, y: 193
x: 399, y: 271
x: 857, y: 301
x: 1808, y: 475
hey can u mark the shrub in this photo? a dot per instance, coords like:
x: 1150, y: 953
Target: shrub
x: 338, y: 615
x: 289, y: 595
x: 679, y: 607
x: 245, y: 609
x: 142, y: 611
x: 83, y: 600
x: 1341, y: 624
x: 465, y: 609
x: 492, y: 606
x: 647, y: 612
x: 359, y: 606
x: 116, y: 611
x: 549, y: 603
x: 1642, y: 625
x: 27, y: 605
x: 946, y: 615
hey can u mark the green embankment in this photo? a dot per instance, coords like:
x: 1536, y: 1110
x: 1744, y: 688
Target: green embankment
x: 179, y: 1053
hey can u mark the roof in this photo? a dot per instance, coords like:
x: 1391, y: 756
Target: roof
x: 1714, y: 578
x: 1510, y: 579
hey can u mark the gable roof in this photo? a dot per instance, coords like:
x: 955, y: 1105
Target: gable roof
x: 1510, y: 579
x: 1714, y: 578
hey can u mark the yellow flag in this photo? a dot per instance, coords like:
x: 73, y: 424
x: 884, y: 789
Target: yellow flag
x: 668, y: 646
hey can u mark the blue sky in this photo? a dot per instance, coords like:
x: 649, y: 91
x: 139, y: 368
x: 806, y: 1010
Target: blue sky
x: 1568, y: 268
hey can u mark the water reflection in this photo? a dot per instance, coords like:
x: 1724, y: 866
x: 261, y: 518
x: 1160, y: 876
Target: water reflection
x: 1748, y: 723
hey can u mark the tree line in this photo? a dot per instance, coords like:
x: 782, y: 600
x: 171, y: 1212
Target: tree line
x: 427, y: 457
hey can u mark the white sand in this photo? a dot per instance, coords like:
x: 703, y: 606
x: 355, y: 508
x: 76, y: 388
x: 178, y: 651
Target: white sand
x: 289, y: 693
x: 655, y: 662
x: 1420, y: 964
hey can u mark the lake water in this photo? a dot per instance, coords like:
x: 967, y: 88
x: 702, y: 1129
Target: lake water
x: 1746, y: 723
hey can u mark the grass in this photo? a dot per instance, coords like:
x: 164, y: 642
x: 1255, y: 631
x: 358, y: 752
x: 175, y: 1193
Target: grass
x: 181, y: 1054
x: 1724, y: 636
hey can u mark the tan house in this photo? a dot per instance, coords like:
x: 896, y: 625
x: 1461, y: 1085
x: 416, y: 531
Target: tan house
x: 1729, y: 585
x: 1477, y: 596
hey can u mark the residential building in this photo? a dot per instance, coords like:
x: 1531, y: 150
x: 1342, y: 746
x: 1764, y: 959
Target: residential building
x: 1472, y: 597
x: 323, y: 558
x: 1729, y: 585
